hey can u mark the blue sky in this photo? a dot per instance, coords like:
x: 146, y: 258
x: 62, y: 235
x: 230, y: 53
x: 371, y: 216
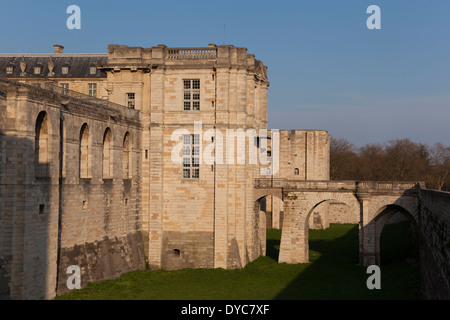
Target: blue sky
x: 327, y: 70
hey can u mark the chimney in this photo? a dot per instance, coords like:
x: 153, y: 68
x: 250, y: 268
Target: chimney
x: 58, y: 48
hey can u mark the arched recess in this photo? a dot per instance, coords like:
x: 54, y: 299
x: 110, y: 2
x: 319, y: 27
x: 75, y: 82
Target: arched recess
x: 84, y: 152
x: 107, y: 160
x: 126, y: 156
x: 294, y: 246
x: 269, y: 243
x: 327, y: 215
x: 42, y: 145
x: 382, y: 217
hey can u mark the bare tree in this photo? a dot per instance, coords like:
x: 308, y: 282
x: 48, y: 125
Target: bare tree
x: 440, y: 164
x: 406, y: 160
x: 343, y: 159
x: 372, y: 162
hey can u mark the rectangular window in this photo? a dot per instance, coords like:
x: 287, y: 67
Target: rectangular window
x: 191, y: 94
x: 92, y: 89
x: 92, y: 70
x: 130, y: 100
x: 191, y: 156
x: 37, y: 70
x: 64, y: 88
x: 9, y: 70
x: 65, y: 70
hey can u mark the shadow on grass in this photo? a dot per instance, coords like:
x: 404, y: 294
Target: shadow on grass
x: 334, y: 272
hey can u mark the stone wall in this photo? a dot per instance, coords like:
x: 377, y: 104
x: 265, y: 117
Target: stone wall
x: 435, y: 251
x: 51, y: 218
x: 304, y: 155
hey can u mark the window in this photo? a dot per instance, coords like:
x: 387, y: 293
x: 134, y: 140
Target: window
x: 9, y: 70
x: 130, y: 100
x: 92, y: 89
x: 296, y: 171
x: 64, y: 88
x: 92, y: 70
x: 191, y: 156
x: 65, y: 70
x: 191, y: 94
x: 37, y: 70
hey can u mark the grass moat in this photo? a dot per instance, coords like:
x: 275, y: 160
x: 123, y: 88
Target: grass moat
x: 333, y: 273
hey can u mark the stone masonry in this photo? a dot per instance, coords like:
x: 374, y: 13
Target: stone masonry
x: 89, y: 174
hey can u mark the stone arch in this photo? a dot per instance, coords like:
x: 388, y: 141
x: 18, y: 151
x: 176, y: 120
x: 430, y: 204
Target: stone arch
x: 261, y: 218
x: 382, y: 217
x: 42, y: 145
x: 84, y: 152
x: 346, y: 198
x: 325, y: 197
x: 294, y: 247
x: 126, y: 155
x: 107, y: 159
x: 408, y: 204
x: 377, y: 213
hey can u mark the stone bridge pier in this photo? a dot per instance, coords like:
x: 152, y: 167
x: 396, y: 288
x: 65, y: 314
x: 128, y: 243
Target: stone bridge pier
x: 373, y: 202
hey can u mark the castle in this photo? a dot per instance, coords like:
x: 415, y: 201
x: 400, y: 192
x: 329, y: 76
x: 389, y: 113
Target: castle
x: 87, y: 172
x: 160, y: 158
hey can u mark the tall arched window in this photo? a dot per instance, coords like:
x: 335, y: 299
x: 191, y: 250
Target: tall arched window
x: 84, y: 151
x: 107, y: 154
x: 126, y: 173
x: 296, y: 171
x: 42, y: 145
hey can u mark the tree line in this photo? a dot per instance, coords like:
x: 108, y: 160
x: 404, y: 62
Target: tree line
x: 395, y: 160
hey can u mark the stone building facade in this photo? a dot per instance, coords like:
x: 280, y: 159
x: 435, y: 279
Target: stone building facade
x: 133, y: 159
x: 88, y: 176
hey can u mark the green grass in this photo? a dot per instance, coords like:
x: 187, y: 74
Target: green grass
x: 333, y: 273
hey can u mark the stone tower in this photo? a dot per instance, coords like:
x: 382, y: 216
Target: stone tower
x: 194, y: 214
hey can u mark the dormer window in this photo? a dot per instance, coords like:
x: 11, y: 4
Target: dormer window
x: 37, y: 70
x: 65, y: 70
x: 92, y: 70
x: 9, y: 70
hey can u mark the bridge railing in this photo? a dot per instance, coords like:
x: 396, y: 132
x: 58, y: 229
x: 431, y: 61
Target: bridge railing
x: 383, y: 186
x: 270, y: 183
x: 337, y: 185
x: 305, y: 184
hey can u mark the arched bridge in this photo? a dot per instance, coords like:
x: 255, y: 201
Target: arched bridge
x: 373, y: 202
